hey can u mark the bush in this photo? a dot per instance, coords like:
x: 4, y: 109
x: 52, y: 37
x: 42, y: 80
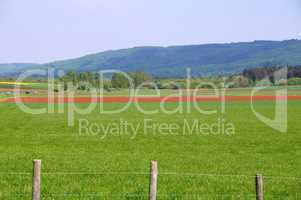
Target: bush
x: 294, y: 81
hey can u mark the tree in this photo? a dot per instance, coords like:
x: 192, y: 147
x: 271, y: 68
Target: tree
x: 119, y: 81
x: 72, y: 76
x: 139, y: 77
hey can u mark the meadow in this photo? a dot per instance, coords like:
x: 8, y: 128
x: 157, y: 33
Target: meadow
x: 191, y: 166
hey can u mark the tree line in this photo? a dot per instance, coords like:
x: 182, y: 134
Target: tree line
x: 248, y: 78
x: 256, y: 74
x: 88, y: 80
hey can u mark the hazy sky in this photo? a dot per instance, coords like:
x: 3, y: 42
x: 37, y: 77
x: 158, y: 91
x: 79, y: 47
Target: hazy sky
x: 48, y: 30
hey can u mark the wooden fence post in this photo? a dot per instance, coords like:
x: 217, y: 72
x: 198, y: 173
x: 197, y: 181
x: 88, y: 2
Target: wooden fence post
x: 36, y: 180
x: 259, y: 187
x: 153, y: 180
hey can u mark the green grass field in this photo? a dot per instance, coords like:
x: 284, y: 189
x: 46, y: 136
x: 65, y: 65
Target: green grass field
x: 191, y: 166
x: 291, y: 90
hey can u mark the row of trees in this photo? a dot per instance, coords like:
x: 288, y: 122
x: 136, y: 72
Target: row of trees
x: 257, y: 74
x: 249, y: 77
x: 85, y: 80
x: 120, y: 80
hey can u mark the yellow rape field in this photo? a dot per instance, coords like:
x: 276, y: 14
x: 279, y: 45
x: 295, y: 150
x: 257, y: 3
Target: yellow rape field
x: 14, y: 83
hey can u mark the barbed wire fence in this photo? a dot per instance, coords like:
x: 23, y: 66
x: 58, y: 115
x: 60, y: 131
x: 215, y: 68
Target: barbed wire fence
x: 159, y: 185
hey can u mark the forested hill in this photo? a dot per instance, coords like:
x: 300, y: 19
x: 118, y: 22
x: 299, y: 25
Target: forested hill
x: 171, y: 61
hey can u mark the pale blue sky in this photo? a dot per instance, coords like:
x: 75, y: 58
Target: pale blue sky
x: 47, y: 30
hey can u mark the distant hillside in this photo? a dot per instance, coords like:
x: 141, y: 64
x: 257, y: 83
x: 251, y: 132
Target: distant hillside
x: 14, y: 68
x: 171, y: 61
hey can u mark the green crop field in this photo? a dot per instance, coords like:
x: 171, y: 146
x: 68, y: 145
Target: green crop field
x: 191, y: 166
